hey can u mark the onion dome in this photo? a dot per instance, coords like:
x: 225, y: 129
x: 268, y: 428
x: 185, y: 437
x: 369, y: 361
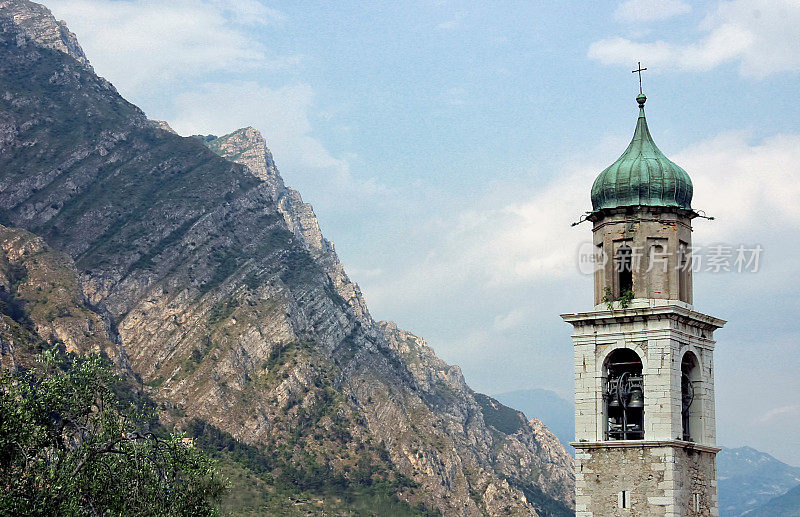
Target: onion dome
x: 642, y: 176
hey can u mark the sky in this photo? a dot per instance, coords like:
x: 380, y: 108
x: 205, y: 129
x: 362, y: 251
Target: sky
x: 447, y: 146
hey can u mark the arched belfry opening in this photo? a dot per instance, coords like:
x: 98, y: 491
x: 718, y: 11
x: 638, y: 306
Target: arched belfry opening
x: 624, y: 396
x: 691, y: 405
x: 624, y: 269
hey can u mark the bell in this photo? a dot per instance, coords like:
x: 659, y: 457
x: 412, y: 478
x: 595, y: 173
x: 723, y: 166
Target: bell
x: 612, y: 392
x: 637, y: 399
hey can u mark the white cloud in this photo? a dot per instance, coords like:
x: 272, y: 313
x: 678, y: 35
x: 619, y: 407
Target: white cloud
x: 760, y: 35
x: 722, y: 46
x: 514, y: 318
x: 140, y: 44
x: 787, y: 412
x: 456, y: 22
x: 529, y: 246
x: 493, y: 248
x: 743, y: 185
x: 633, y: 11
x: 282, y: 115
x: 248, y: 12
x: 456, y: 96
x: 485, y: 285
x: 364, y: 273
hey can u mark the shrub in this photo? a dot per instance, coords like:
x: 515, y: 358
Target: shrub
x: 68, y: 447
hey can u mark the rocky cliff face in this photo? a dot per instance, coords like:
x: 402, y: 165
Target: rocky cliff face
x: 517, y: 445
x: 41, y: 304
x: 36, y: 23
x: 247, y: 147
x: 217, y: 286
x: 525, y: 454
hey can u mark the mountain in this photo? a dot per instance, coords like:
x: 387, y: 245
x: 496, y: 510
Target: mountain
x: 207, y: 280
x: 552, y: 410
x: 786, y: 505
x: 747, y: 479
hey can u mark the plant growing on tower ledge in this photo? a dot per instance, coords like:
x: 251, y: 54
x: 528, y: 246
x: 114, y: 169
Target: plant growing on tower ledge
x: 624, y: 299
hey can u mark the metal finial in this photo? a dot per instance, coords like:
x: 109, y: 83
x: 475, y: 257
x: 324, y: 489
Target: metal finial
x: 639, y: 71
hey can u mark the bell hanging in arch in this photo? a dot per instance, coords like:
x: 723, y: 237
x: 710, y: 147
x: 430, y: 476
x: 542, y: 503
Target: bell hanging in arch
x: 637, y: 399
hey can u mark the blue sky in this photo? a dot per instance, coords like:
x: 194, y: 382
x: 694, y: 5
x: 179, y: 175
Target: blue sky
x: 447, y: 146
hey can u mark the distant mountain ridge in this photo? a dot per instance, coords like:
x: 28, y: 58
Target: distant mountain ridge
x: 785, y: 505
x: 748, y: 479
x: 557, y: 413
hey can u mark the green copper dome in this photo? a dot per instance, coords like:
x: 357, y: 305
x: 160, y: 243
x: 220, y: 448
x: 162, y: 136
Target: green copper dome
x: 642, y: 176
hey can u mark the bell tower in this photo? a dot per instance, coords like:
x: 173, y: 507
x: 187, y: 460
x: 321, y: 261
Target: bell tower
x: 644, y: 372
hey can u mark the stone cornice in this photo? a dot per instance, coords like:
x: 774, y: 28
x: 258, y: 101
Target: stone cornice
x: 640, y: 212
x: 642, y: 309
x: 601, y: 222
x: 631, y: 444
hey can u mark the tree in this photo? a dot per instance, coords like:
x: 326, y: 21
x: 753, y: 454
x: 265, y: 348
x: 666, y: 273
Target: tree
x: 69, y: 447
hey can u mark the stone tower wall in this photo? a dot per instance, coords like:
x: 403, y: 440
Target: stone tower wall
x: 661, y: 474
x: 660, y: 480
x: 656, y: 275
x: 660, y: 333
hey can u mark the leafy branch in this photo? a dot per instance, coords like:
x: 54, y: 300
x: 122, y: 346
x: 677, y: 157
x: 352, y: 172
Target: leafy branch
x: 69, y: 447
